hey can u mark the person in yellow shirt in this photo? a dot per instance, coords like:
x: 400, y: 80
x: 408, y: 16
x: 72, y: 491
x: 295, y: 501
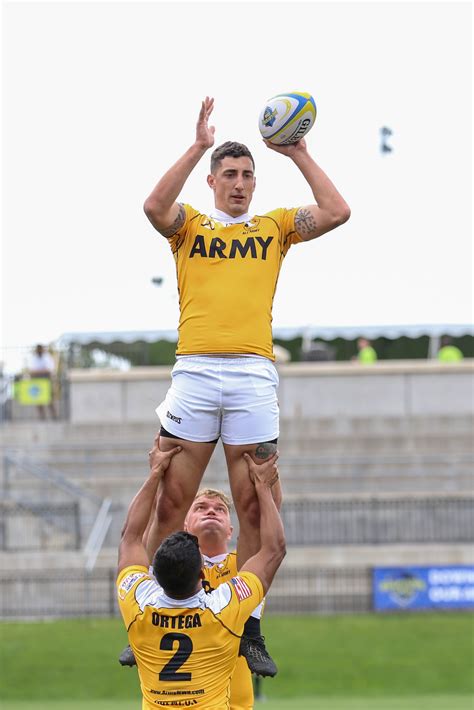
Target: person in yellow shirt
x: 366, y: 354
x: 449, y: 352
x: 186, y: 641
x: 224, y: 383
x: 209, y: 519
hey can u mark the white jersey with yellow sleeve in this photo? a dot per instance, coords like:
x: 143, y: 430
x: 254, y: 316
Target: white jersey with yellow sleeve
x: 185, y: 649
x: 227, y: 276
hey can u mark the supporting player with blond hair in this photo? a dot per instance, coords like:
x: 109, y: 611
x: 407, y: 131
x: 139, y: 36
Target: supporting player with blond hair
x: 209, y: 519
x: 185, y: 640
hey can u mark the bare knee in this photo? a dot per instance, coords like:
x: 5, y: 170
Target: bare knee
x: 247, y: 507
x: 251, y: 515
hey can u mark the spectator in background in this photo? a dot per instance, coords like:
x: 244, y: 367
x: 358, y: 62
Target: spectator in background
x: 449, y: 352
x: 42, y: 367
x: 367, y: 354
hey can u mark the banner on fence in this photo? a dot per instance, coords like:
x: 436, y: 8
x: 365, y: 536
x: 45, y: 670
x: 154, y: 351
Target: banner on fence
x: 36, y: 390
x: 423, y: 588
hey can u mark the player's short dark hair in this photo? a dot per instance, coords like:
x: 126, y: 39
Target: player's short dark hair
x: 177, y: 564
x: 229, y: 149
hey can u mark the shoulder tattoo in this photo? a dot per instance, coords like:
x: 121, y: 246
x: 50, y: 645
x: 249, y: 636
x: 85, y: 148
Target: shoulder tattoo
x: 305, y: 223
x: 177, y: 224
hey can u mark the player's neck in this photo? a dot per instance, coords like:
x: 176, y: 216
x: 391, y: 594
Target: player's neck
x: 226, y: 218
x: 212, y: 547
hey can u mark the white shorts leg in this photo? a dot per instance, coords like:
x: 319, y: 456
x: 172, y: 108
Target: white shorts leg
x: 191, y: 409
x: 250, y: 412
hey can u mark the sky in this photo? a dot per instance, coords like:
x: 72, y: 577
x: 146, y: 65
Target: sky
x: 99, y: 99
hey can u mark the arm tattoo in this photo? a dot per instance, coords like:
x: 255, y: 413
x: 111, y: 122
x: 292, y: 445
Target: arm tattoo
x: 173, y: 228
x: 305, y: 223
x: 263, y: 451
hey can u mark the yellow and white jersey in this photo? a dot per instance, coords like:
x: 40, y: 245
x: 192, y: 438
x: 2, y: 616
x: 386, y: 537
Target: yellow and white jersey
x: 227, y: 276
x: 217, y: 570
x: 186, y: 650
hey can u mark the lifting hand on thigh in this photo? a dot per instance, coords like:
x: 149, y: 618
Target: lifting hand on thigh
x: 244, y: 495
x: 178, y: 488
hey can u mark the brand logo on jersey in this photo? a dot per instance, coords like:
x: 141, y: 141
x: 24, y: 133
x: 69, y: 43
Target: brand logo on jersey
x: 254, y: 247
x: 269, y: 116
x: 252, y: 226
x: 208, y: 222
x: 127, y: 583
x: 241, y: 587
x: 173, y: 418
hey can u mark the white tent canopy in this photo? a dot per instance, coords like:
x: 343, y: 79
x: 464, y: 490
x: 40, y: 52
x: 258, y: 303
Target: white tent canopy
x: 308, y: 333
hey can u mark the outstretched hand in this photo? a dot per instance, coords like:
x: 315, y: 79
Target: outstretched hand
x: 204, y: 132
x: 266, y: 472
x: 160, y: 460
x: 290, y: 150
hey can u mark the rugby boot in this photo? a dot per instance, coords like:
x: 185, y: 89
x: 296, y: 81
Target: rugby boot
x: 258, y: 659
x: 127, y: 657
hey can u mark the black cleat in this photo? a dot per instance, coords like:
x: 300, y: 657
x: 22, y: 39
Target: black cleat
x: 127, y: 657
x: 257, y: 657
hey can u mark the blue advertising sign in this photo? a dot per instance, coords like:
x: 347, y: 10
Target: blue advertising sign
x: 423, y: 588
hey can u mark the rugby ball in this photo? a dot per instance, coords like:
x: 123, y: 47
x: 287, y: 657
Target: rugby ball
x: 286, y: 118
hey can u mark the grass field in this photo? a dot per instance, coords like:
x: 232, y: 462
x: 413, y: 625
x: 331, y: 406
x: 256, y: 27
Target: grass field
x: 363, y: 662
x: 418, y: 702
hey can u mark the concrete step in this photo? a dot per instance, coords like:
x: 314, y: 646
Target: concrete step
x: 122, y: 486
x: 62, y: 433
x: 297, y: 558
x: 90, y: 466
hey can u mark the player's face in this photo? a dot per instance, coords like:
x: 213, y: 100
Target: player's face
x: 209, y: 514
x: 233, y: 184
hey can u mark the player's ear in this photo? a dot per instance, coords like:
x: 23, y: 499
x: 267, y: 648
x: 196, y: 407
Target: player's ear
x: 231, y: 530
x: 211, y: 181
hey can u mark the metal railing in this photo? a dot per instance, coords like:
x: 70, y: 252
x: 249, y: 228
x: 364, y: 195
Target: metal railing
x: 32, y: 526
x: 379, y: 521
x: 91, y: 516
x: 406, y: 520
x: 77, y: 593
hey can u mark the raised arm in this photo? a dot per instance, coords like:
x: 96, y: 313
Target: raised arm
x: 330, y: 210
x: 132, y: 550
x: 161, y: 208
x: 272, y: 536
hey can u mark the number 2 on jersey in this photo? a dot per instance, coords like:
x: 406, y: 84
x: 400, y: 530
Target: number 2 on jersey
x: 184, y: 650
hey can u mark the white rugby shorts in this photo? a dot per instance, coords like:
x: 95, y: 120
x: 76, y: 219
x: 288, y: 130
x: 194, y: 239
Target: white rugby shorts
x: 234, y: 398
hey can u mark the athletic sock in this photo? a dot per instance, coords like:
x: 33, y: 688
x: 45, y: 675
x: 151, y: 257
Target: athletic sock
x: 252, y: 628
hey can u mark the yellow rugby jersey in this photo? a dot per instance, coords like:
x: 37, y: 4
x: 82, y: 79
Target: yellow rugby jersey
x: 227, y: 277
x: 217, y: 572
x: 185, y: 655
x: 241, y: 686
